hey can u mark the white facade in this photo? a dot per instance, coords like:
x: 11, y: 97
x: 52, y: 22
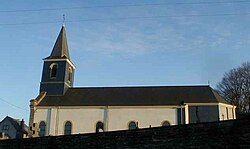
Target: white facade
x: 226, y: 112
x: 84, y: 118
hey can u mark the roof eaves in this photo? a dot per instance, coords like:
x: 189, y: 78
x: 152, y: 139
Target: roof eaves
x: 218, y: 97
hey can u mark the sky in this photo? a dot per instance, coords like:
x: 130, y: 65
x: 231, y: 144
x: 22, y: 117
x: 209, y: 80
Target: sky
x: 120, y: 43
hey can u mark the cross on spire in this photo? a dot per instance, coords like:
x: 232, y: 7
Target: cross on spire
x: 64, y: 18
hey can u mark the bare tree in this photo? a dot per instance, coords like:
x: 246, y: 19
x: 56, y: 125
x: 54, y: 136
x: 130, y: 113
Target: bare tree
x: 235, y: 87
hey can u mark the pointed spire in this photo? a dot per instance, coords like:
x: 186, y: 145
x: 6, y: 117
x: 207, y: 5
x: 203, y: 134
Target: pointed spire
x: 60, y: 49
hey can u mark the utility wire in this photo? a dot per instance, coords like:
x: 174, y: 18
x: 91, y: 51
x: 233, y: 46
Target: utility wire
x: 129, y: 18
x: 12, y: 105
x: 127, y: 5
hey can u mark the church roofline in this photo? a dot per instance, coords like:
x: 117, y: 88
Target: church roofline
x: 134, y: 96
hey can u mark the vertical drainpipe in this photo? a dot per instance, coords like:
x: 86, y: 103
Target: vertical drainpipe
x: 181, y: 115
x: 184, y: 113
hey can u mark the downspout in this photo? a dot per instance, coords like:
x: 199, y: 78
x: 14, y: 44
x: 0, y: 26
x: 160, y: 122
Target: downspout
x: 181, y: 116
x: 183, y: 112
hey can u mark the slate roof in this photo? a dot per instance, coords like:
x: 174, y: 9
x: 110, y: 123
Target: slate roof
x: 134, y: 96
x: 60, y: 49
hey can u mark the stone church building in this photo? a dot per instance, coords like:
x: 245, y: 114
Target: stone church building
x: 62, y: 109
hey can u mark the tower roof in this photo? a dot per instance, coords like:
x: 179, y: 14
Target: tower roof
x: 60, y: 49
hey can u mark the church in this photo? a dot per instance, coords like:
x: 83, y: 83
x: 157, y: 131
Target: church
x: 62, y: 109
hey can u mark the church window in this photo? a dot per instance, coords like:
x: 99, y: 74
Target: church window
x: 70, y: 74
x: 132, y: 125
x: 68, y: 128
x: 42, y: 128
x: 99, y: 126
x: 53, y: 70
x: 165, y: 123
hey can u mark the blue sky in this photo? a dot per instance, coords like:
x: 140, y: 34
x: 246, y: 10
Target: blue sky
x: 171, y: 50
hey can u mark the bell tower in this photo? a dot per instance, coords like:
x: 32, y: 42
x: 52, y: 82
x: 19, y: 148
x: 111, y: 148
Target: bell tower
x: 58, y: 69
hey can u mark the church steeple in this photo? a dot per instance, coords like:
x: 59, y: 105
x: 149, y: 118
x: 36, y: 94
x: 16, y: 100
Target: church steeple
x: 58, y: 70
x: 60, y: 49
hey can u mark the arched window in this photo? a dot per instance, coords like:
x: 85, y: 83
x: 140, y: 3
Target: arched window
x: 67, y: 128
x: 70, y: 74
x: 132, y: 125
x: 53, y: 70
x: 99, y: 126
x: 42, y: 128
x: 165, y: 123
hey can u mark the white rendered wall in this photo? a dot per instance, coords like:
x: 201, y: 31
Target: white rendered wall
x: 41, y: 115
x: 84, y: 119
x: 224, y: 115
x: 119, y: 118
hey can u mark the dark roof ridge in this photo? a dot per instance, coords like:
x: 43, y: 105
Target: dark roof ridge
x: 145, y: 86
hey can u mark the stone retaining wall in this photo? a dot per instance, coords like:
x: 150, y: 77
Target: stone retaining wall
x: 233, y: 133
